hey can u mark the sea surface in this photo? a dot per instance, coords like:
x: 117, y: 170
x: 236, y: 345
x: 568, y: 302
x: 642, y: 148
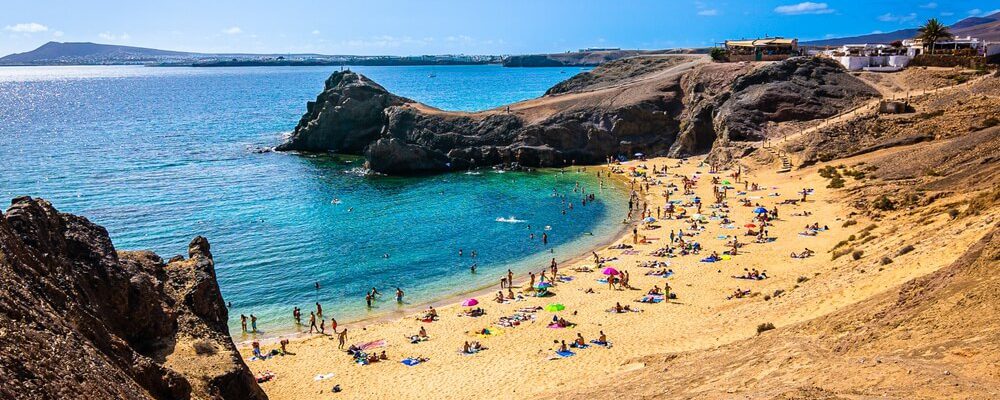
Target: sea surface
x: 160, y: 155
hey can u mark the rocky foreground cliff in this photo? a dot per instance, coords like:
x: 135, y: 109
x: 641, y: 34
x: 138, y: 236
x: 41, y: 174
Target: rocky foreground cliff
x: 661, y: 106
x: 80, y: 320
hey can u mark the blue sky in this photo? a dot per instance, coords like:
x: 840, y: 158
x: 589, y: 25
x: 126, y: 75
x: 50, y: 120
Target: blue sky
x: 408, y: 27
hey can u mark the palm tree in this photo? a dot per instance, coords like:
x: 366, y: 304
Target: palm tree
x: 932, y: 32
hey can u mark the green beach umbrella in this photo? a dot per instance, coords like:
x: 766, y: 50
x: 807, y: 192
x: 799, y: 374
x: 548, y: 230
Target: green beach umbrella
x: 555, y: 307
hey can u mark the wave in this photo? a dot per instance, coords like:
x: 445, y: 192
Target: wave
x: 511, y: 220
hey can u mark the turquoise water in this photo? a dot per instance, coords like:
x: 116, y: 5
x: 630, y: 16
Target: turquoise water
x: 159, y: 155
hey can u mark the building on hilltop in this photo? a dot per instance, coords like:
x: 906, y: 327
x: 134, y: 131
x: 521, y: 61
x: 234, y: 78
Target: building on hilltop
x: 764, y: 49
x: 870, y: 57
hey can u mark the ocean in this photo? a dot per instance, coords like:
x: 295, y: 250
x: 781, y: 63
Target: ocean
x: 160, y: 155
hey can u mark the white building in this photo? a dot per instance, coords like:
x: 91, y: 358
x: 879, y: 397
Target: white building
x: 870, y: 57
x: 974, y: 46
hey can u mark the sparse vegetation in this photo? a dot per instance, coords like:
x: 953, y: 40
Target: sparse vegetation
x: 761, y: 328
x: 801, y: 279
x: 884, y: 203
x: 906, y: 249
x: 718, y: 54
x: 204, y: 347
x: 953, y: 213
x: 885, y: 260
x: 848, y: 223
x: 857, y: 254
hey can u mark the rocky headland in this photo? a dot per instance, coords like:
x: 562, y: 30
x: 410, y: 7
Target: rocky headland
x: 673, y: 106
x: 80, y: 320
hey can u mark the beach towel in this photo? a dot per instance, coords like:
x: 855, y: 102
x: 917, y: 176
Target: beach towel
x: 565, y: 354
x: 556, y: 326
x: 602, y: 280
x: 708, y: 260
x: 602, y: 344
x: 578, y: 346
x: 322, y: 377
x: 371, y: 345
x: 409, y: 362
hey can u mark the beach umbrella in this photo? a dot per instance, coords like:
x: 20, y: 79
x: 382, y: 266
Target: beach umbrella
x: 760, y: 210
x: 555, y: 307
x: 650, y: 219
x: 750, y: 226
x: 470, y: 302
x: 610, y: 271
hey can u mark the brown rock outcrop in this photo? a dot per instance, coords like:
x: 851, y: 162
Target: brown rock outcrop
x: 80, y: 320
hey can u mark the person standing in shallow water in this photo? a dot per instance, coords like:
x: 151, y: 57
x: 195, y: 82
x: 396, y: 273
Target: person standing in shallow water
x: 297, y: 314
x: 253, y: 322
x: 368, y: 300
x: 399, y: 295
x: 319, y: 309
x: 243, y: 321
x: 545, y: 238
x: 312, y: 322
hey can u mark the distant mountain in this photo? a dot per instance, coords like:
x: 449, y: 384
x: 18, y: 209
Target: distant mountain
x: 56, y: 53
x: 89, y: 53
x: 985, y: 28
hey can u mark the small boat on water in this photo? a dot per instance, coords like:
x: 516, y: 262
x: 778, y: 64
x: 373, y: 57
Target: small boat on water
x: 432, y: 75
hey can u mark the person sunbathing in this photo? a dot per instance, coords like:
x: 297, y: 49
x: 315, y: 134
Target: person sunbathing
x: 499, y: 297
x: 562, y: 347
x: 383, y: 356
x: 655, y: 291
x: 579, y: 340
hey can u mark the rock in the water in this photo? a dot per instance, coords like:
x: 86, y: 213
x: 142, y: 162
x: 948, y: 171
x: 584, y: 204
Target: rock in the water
x: 675, y: 107
x: 80, y: 320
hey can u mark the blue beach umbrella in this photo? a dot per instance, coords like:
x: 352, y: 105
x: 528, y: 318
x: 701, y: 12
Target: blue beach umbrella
x: 760, y: 210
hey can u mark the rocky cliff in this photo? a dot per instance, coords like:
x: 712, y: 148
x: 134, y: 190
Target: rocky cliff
x: 664, y: 105
x: 81, y: 320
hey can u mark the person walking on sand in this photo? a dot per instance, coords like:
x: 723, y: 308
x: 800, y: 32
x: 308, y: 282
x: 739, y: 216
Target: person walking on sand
x: 312, y: 322
x: 322, y: 326
x: 253, y: 322
x: 243, y: 321
x: 333, y: 324
x: 342, y: 339
x: 510, y: 278
x: 635, y: 235
x: 503, y: 282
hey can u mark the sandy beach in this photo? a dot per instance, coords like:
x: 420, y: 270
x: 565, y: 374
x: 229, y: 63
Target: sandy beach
x: 522, y: 360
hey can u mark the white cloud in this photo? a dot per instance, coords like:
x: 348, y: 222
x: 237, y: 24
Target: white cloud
x: 711, y: 12
x: 889, y: 17
x: 30, y: 27
x: 112, y: 37
x: 806, y: 7
x: 315, y: 32
x: 930, y: 5
x: 57, y: 33
x: 235, y: 30
x: 980, y: 13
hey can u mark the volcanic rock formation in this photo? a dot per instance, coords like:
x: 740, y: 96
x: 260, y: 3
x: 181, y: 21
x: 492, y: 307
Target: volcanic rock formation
x: 80, y: 320
x: 665, y: 105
